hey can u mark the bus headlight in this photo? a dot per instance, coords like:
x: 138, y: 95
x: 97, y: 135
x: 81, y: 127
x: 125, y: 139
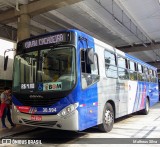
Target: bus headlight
x: 68, y: 110
x: 15, y: 109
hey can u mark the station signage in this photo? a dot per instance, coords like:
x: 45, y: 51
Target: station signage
x: 45, y: 40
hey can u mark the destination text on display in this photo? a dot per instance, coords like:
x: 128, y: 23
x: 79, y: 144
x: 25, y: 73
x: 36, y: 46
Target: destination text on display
x: 52, y: 39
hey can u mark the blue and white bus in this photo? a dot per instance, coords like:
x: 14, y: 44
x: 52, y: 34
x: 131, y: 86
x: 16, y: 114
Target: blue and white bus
x: 69, y: 80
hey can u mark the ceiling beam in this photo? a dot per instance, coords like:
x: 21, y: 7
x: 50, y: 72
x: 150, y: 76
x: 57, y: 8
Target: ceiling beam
x: 136, y: 22
x: 155, y: 64
x: 139, y: 48
x: 34, y: 8
x: 8, y: 32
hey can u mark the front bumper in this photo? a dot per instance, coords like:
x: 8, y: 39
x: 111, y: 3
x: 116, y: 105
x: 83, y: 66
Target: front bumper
x: 69, y: 122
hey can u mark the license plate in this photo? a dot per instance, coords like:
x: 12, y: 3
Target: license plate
x: 36, y: 117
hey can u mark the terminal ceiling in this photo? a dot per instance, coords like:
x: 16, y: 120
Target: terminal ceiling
x: 130, y: 25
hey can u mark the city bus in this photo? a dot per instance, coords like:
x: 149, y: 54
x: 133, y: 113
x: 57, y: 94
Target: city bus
x: 70, y: 80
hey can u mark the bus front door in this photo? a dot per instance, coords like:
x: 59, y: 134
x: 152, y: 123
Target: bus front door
x: 122, y: 94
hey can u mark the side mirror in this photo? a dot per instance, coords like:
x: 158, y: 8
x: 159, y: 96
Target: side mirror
x: 90, y: 56
x: 6, y: 58
x: 5, y: 62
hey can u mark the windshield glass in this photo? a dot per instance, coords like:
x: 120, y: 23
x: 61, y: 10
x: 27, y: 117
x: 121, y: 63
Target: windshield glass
x: 45, y: 70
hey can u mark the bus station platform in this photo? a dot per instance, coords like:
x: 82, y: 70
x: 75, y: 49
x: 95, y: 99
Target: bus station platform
x: 13, y: 130
x: 134, y: 126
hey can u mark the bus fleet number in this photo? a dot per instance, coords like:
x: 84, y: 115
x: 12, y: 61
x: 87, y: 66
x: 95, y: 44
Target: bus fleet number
x: 49, y: 110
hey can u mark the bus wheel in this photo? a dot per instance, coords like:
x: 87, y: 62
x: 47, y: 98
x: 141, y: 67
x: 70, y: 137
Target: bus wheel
x: 145, y: 111
x: 108, y: 118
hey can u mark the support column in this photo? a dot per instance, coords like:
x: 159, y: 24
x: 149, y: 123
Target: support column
x: 23, y: 30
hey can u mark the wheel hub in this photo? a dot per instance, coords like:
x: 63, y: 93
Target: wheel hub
x: 108, y: 117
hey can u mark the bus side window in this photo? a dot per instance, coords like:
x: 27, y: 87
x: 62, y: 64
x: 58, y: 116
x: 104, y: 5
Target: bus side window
x: 89, y: 72
x: 140, y: 75
x: 146, y: 74
x: 83, y: 63
x: 133, y: 72
x: 150, y: 75
x: 110, y: 64
x: 122, y: 68
x: 154, y: 76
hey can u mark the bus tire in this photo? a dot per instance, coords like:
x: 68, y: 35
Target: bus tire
x: 108, y: 119
x: 145, y: 111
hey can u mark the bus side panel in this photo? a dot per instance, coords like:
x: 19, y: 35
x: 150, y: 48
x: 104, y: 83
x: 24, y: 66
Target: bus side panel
x: 88, y: 108
x: 153, y: 93
x: 106, y: 92
x: 106, y: 86
x: 138, y: 92
x: 88, y: 97
x: 136, y: 96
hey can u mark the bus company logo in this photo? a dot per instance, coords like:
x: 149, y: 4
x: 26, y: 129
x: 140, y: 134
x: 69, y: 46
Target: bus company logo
x: 32, y: 110
x: 36, y: 96
x: 52, y: 86
x: 6, y: 141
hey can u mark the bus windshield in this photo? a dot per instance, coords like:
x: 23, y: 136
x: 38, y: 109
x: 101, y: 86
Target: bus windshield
x: 45, y: 70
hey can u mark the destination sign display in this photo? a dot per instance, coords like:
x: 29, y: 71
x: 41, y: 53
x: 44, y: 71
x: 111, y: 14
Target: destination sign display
x: 45, y: 40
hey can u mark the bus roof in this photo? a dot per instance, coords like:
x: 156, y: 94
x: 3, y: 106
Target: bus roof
x: 118, y: 51
x: 140, y: 61
x: 99, y: 42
